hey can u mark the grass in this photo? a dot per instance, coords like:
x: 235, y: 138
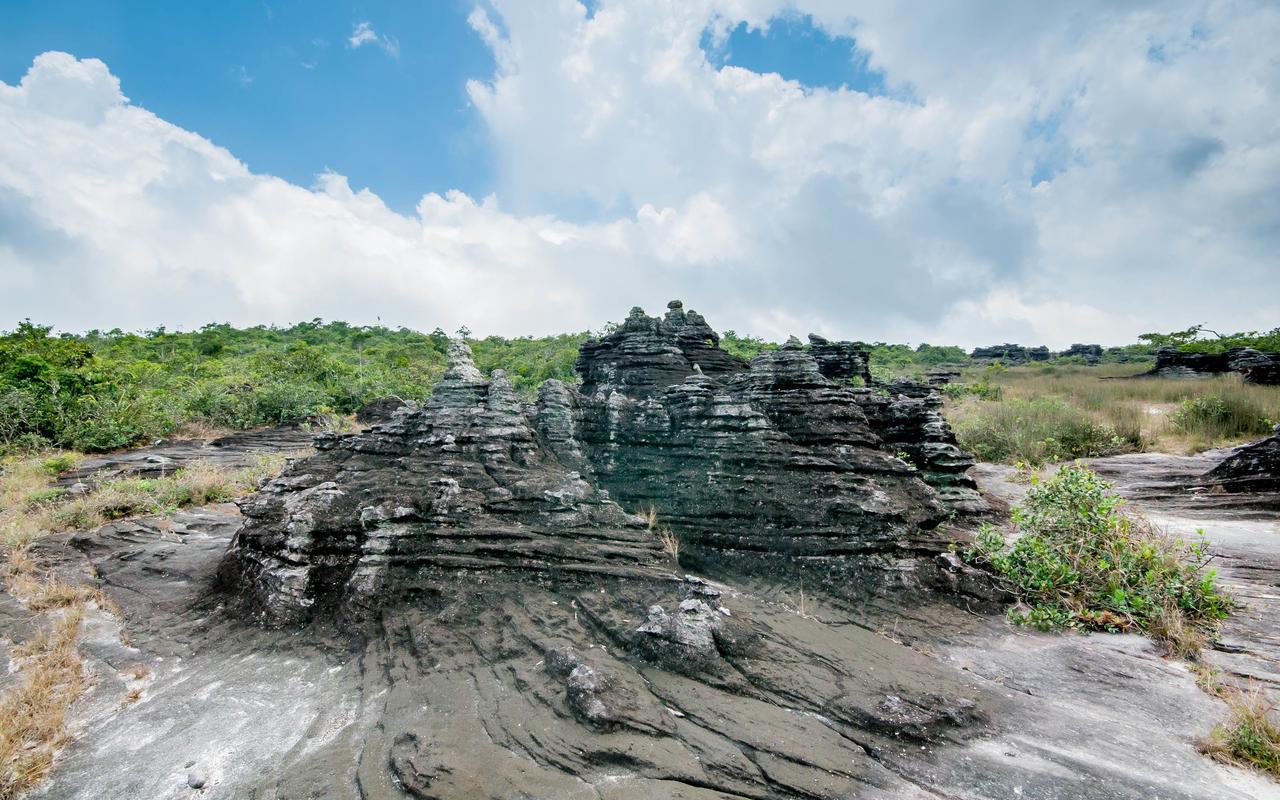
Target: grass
x: 666, y: 537
x: 1045, y: 413
x: 1249, y: 736
x: 32, y: 713
x: 1078, y: 560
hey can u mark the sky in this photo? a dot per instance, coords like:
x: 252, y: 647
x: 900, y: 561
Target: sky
x: 967, y: 173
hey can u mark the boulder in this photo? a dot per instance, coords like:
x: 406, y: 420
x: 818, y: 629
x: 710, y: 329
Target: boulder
x: 840, y: 361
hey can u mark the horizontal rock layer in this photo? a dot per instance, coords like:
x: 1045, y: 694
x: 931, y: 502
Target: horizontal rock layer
x: 670, y: 445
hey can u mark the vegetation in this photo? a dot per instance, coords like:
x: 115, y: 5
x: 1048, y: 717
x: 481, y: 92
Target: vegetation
x: 1193, y: 339
x: 102, y: 391
x: 1041, y: 430
x: 1250, y: 735
x: 1048, y: 412
x: 32, y: 713
x: 1077, y: 560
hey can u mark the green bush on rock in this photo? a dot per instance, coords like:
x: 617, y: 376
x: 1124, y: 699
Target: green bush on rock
x: 1077, y: 560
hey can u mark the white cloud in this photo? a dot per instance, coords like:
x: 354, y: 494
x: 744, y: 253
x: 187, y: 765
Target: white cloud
x: 363, y: 33
x: 771, y: 207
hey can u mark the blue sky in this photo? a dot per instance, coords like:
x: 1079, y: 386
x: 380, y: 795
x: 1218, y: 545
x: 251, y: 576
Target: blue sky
x: 955, y: 172
x: 278, y: 84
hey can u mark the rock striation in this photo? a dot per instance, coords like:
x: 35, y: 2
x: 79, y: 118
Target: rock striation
x: 1010, y: 354
x: 743, y: 464
x: 840, y: 361
x: 461, y: 484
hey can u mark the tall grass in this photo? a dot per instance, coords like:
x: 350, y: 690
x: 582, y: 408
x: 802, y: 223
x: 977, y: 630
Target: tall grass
x: 1102, y: 411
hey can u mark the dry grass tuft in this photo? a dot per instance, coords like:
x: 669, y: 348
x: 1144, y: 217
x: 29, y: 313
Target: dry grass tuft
x: 32, y: 714
x: 670, y: 543
x: 1249, y: 736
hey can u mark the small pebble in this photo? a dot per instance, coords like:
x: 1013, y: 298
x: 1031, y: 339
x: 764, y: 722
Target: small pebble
x: 195, y: 779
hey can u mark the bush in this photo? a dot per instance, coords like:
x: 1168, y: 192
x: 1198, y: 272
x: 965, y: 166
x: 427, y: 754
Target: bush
x: 1078, y: 561
x: 1038, y: 431
x: 1221, y: 416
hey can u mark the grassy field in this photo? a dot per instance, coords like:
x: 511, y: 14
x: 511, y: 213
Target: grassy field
x: 1043, y: 413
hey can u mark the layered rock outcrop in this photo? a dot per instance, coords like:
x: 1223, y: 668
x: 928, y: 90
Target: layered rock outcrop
x: 740, y: 462
x: 840, y: 361
x: 463, y: 483
x: 1010, y: 354
x: 1253, y: 468
x: 1256, y: 366
x: 1091, y: 353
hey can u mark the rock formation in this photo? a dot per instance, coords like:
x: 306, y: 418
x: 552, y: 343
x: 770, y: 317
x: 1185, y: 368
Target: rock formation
x: 1010, y: 354
x: 462, y: 484
x: 840, y: 361
x: 1256, y: 366
x: 1091, y: 353
x: 1252, y: 468
x: 744, y: 464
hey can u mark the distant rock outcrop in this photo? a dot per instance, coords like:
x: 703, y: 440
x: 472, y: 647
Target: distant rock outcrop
x: 1256, y: 366
x: 1010, y: 354
x: 1091, y: 353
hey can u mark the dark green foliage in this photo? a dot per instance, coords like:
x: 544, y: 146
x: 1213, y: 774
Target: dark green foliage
x: 102, y: 391
x: 747, y: 347
x: 902, y: 355
x: 1080, y: 562
x: 529, y: 361
x: 1194, y: 339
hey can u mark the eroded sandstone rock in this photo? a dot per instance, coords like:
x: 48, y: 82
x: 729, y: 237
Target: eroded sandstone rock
x: 1010, y: 354
x: 734, y: 463
x: 1253, y: 468
x: 1255, y: 365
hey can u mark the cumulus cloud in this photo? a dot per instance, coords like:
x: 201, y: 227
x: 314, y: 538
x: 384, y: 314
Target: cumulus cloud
x: 363, y: 33
x: 1080, y: 172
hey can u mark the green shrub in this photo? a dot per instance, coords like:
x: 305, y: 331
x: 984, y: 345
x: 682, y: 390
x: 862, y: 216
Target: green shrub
x: 1250, y: 736
x: 1078, y: 561
x: 1037, y: 431
x: 1221, y: 416
x: 983, y: 390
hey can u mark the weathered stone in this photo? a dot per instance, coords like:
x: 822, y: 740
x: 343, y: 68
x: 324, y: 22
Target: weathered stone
x: 648, y: 353
x: 737, y: 463
x: 840, y: 361
x: 1252, y: 468
x: 463, y: 483
x: 1256, y: 366
x: 1091, y: 353
x: 1010, y: 354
